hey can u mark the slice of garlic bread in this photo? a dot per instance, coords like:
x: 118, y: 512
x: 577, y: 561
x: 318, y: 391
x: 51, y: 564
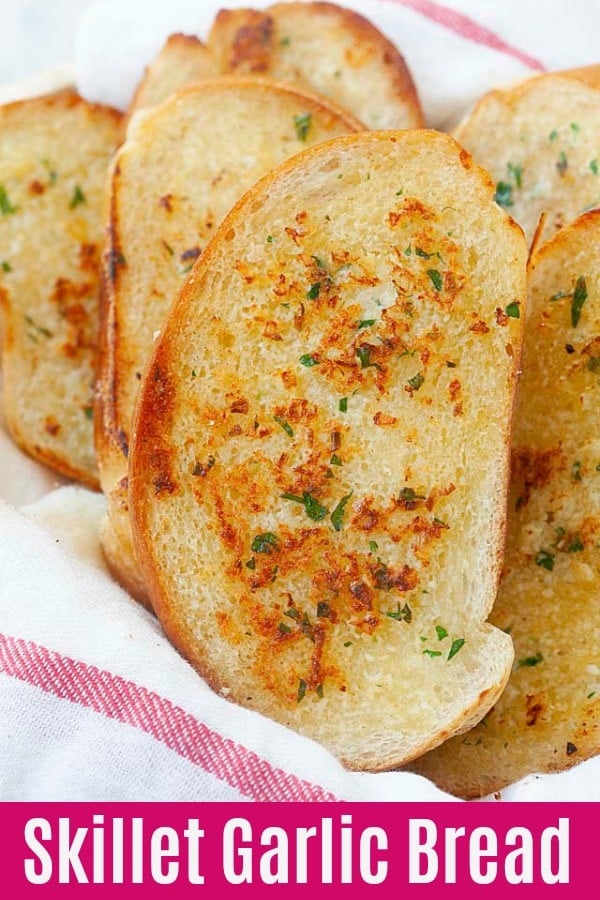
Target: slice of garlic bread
x: 540, y: 141
x: 183, y: 60
x: 185, y: 165
x: 326, y: 47
x: 548, y: 718
x: 320, y: 461
x: 54, y: 158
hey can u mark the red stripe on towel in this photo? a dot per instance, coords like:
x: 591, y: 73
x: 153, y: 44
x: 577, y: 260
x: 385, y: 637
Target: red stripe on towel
x: 470, y: 30
x: 127, y: 702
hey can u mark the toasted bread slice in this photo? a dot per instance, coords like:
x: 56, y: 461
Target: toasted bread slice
x: 540, y: 141
x: 548, y: 718
x: 183, y: 60
x: 325, y: 47
x: 53, y: 166
x: 174, y: 180
x: 318, y: 479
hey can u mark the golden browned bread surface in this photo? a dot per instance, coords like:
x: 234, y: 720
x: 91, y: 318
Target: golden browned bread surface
x: 184, y: 166
x: 326, y: 48
x: 54, y: 157
x: 540, y: 141
x: 319, y: 465
x: 182, y: 60
x: 548, y: 717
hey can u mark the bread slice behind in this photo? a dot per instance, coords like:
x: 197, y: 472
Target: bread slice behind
x: 185, y: 164
x: 540, y: 141
x: 182, y: 60
x: 320, y: 455
x: 548, y: 719
x: 54, y: 161
x: 328, y: 49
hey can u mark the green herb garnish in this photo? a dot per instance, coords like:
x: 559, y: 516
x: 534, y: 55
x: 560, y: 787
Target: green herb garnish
x: 416, y: 381
x: 401, y: 614
x: 594, y: 166
x: 265, y: 543
x: 441, y: 632
x: 593, y: 364
x: 516, y: 171
x: 309, y: 360
x: 364, y: 354
x: 285, y: 425
x: 432, y: 653
x: 365, y: 323
x: 530, y: 661
x: 335, y: 460
x: 436, y: 279
x: 314, y: 510
x: 337, y: 516
x: 302, y: 124
x: 314, y: 291
x: 579, y: 298
x: 6, y: 207
x: 576, y: 545
x: 503, y: 195
x: 77, y: 198
x: 563, y: 164
x: 6, y: 266
x: 301, y: 690
x: 343, y: 405
x: 513, y: 310
x: 545, y: 560
x: 457, y: 644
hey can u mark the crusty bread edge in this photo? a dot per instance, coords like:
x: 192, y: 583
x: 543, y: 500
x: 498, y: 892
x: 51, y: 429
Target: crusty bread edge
x: 142, y: 445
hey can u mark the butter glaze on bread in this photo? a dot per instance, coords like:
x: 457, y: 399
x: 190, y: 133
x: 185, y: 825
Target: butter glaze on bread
x: 182, y: 168
x: 548, y: 718
x: 320, y: 457
x: 54, y: 157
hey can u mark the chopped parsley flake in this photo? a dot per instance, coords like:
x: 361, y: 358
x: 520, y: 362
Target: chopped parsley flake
x: 302, y: 125
x: 269, y: 239
x: 366, y: 323
x: 517, y: 172
x: 314, y: 291
x: 579, y: 298
x: 529, y: 661
x: 301, y: 690
x: 401, y: 614
x: 457, y: 644
x: 545, y: 560
x: 560, y: 295
x: 576, y: 545
x: 314, y: 510
x: 343, y: 405
x: 416, y: 381
x: 88, y: 412
x: 513, y: 310
x: 265, y: 543
x: 283, y: 628
x: 553, y: 135
x: 422, y: 253
x: 337, y: 516
x: 52, y: 173
x: 364, y: 354
x: 251, y: 564
x: 563, y: 164
x: 594, y: 166
x: 285, y: 425
x: 6, y: 207
x: 323, y: 610
x: 335, y: 460
x: 593, y: 364
x: 409, y: 495
x: 436, y: 279
x: 431, y: 653
x: 576, y: 471
x: 441, y: 632
x: 77, y: 198
x: 373, y: 546
x: 6, y: 266
x: 309, y: 360
x: 503, y: 195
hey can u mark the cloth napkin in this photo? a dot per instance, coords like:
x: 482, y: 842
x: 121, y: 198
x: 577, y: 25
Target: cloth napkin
x: 95, y: 704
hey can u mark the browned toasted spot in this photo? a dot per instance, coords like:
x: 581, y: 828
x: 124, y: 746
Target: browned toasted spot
x: 384, y: 421
x: 36, y: 187
x: 533, y: 469
x: 534, y: 708
x: 166, y: 202
x: 51, y: 426
x: 479, y: 327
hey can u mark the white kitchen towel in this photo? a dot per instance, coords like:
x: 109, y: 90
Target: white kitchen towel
x: 95, y: 704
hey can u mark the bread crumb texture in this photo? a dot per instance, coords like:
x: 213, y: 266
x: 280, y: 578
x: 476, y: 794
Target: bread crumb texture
x: 320, y: 465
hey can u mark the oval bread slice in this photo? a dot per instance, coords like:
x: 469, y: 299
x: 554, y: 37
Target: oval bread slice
x: 540, y: 141
x: 183, y: 167
x: 325, y: 47
x: 319, y: 470
x: 54, y: 159
x: 548, y: 718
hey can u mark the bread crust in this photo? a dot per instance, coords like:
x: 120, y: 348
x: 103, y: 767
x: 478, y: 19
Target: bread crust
x: 119, y: 358
x: 548, y: 719
x: 48, y: 366
x: 158, y: 479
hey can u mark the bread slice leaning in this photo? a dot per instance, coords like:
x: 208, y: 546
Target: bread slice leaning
x: 54, y: 158
x: 319, y: 464
x: 548, y: 718
x: 184, y: 166
x: 325, y: 47
x: 182, y: 60
x: 540, y: 141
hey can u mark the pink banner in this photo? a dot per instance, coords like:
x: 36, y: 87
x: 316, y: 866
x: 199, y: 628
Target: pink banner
x: 331, y: 850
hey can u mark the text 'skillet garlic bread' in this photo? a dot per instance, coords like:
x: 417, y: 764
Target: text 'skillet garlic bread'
x: 182, y: 168
x: 54, y: 157
x: 319, y: 463
x: 548, y: 717
x: 540, y: 141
